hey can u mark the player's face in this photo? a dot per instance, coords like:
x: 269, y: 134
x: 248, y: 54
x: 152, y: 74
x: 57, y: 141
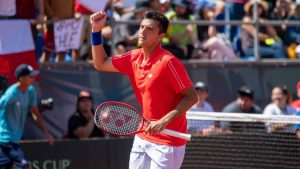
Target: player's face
x: 149, y: 33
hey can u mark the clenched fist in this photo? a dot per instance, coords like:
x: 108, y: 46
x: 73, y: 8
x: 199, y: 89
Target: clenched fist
x: 98, y: 20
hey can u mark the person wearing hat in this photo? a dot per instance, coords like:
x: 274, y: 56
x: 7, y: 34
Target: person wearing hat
x: 197, y: 126
x: 270, y: 45
x: 15, y: 103
x: 243, y: 104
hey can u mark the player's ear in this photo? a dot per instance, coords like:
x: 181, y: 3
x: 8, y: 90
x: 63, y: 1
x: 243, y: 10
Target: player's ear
x: 162, y: 35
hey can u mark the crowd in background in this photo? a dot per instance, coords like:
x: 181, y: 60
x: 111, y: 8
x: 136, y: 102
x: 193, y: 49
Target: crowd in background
x: 281, y: 103
x: 187, y: 41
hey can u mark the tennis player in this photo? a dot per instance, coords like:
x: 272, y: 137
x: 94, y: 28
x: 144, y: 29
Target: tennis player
x: 15, y: 103
x: 161, y: 85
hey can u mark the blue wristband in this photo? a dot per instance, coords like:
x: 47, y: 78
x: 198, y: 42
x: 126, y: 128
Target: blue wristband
x: 96, y: 38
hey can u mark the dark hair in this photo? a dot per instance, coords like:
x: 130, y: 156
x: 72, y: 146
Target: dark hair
x: 286, y: 92
x: 80, y: 98
x: 157, y: 16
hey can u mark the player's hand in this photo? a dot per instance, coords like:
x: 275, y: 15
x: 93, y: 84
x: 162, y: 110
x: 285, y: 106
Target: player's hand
x: 155, y: 127
x: 98, y: 20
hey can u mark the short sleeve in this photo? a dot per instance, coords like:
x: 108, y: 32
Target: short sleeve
x: 122, y: 62
x: 177, y: 74
x: 33, y: 96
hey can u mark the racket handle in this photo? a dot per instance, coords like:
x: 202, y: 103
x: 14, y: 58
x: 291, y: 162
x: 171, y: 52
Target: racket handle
x: 177, y: 134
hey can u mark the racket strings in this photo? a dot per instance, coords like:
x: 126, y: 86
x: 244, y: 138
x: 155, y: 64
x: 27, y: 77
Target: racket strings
x: 117, y: 119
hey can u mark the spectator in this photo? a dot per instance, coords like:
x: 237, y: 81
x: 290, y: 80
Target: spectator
x: 15, y: 103
x: 81, y: 123
x: 197, y: 126
x: 296, y: 103
x: 292, y: 36
x: 281, y: 11
x: 8, y: 9
x: 213, y: 45
x: 270, y: 45
x: 55, y: 10
x: 181, y: 39
x: 128, y: 34
x: 236, y: 11
x: 243, y: 104
x: 279, y: 106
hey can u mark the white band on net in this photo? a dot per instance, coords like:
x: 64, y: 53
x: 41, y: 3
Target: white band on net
x: 243, y: 117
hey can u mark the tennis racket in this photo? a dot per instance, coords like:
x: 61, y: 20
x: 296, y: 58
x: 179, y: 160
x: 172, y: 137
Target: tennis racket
x: 121, y: 119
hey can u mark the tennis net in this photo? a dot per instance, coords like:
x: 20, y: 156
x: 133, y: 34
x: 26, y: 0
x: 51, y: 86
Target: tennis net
x: 242, y: 141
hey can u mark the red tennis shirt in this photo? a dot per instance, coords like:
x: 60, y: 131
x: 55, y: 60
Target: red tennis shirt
x: 157, y: 85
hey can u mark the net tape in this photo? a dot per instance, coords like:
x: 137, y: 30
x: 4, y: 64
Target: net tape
x: 243, y: 117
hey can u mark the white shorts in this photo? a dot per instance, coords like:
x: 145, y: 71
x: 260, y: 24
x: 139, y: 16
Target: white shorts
x: 147, y: 155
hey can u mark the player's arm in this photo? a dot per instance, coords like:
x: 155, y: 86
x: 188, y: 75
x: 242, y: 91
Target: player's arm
x: 40, y: 121
x: 189, y: 98
x: 101, y: 61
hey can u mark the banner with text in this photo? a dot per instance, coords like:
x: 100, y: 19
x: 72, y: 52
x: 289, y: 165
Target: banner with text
x: 67, y: 34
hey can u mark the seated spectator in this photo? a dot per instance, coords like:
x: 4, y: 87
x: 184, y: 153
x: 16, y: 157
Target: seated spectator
x: 292, y: 36
x: 243, y: 104
x: 279, y: 106
x: 128, y: 34
x: 235, y: 9
x: 270, y: 44
x: 281, y: 11
x: 213, y: 44
x: 296, y: 103
x: 197, y: 126
x: 81, y: 124
x: 181, y: 39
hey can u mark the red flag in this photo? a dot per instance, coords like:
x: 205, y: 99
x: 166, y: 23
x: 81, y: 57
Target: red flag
x: 16, y: 47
